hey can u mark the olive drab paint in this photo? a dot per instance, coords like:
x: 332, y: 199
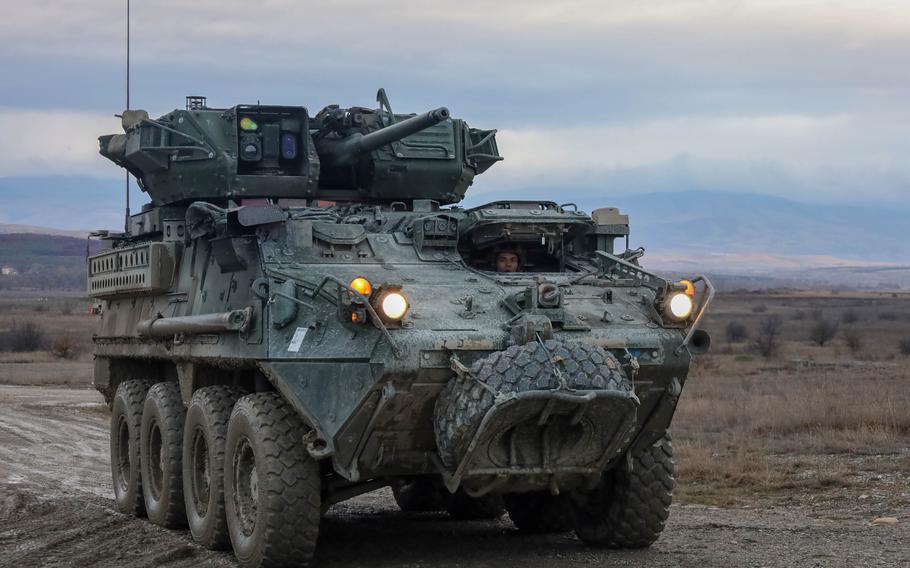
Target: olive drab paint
x: 239, y: 272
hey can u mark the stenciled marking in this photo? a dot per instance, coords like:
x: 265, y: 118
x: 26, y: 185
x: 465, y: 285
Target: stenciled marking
x: 297, y: 340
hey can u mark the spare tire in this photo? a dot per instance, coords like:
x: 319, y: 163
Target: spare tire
x: 521, y: 368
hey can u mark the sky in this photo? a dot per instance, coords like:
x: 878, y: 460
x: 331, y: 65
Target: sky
x: 802, y: 99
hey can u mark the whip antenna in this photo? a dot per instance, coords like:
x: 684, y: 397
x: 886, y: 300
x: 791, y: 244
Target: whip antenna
x: 126, y: 221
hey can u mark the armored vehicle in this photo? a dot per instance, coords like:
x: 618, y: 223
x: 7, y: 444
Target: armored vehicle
x: 303, y: 313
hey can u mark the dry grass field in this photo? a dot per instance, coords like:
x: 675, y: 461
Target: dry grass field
x: 828, y: 421
x: 808, y: 421
x: 56, y: 333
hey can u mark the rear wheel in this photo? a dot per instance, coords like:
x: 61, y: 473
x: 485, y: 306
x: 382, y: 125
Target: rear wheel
x: 126, y: 425
x: 271, y: 484
x: 629, y: 507
x: 204, y: 437
x: 539, y: 512
x: 161, y: 446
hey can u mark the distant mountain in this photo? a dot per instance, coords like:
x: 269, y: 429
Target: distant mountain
x: 42, y: 262
x: 65, y: 202
x: 689, y: 224
x: 702, y: 223
x: 9, y: 229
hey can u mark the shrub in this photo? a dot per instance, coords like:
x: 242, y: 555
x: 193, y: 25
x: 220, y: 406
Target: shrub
x: 816, y: 314
x: 823, y: 331
x: 904, y: 346
x: 759, y: 309
x: 854, y: 340
x: 23, y: 336
x: 767, y: 342
x: 799, y: 315
x: 65, y: 347
x: 736, y: 331
x: 850, y: 316
x: 887, y: 316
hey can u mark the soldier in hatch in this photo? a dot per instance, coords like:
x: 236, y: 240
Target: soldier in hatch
x: 507, y: 260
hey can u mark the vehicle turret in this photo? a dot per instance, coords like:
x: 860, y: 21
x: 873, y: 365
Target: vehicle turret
x: 263, y: 151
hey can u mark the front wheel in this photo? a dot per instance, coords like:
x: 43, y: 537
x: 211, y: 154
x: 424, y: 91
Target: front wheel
x: 271, y: 484
x: 629, y: 506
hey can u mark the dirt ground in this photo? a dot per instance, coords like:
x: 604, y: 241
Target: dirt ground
x: 56, y: 510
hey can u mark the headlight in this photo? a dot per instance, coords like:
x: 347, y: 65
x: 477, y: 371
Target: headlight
x: 680, y: 305
x: 394, y: 305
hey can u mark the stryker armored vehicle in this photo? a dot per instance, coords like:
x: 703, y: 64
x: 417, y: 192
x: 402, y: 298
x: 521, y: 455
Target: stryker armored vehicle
x: 303, y: 314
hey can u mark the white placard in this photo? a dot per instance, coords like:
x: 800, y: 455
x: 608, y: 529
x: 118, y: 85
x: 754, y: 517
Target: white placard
x: 297, y: 339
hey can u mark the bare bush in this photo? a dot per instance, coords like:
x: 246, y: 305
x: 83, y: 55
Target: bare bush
x: 66, y: 347
x: 736, y: 332
x: 799, y: 315
x: 823, y: 331
x: 850, y: 316
x: 854, y: 340
x: 904, y: 346
x: 759, y: 309
x: 23, y: 336
x: 816, y: 314
x: 767, y: 342
x: 887, y: 316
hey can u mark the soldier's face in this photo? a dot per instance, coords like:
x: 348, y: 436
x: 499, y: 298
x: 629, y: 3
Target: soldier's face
x: 507, y: 262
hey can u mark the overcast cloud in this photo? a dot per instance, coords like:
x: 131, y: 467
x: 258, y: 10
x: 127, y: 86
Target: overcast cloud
x: 807, y: 99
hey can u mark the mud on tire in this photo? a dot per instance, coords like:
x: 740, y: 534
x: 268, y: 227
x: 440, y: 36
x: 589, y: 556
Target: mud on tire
x: 271, y: 484
x: 204, y: 438
x: 126, y: 425
x: 464, y: 401
x: 629, y: 508
x: 161, y: 448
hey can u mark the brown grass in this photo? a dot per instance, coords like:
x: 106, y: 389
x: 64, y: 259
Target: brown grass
x: 67, y: 327
x: 743, y: 419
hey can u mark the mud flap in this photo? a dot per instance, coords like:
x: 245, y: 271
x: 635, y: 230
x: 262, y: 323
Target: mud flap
x: 546, y: 434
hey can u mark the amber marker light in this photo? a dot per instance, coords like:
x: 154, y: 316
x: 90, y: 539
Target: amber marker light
x: 690, y: 287
x: 362, y: 285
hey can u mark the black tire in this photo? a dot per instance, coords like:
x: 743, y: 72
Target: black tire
x: 126, y: 427
x: 539, y: 512
x: 204, y: 438
x: 420, y: 495
x: 462, y: 506
x: 464, y: 401
x: 161, y: 448
x: 271, y: 484
x: 629, y: 508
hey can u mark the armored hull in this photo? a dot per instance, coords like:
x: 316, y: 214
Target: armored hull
x: 264, y: 336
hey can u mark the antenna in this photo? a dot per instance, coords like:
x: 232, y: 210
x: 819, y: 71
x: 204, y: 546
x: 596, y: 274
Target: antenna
x: 126, y: 220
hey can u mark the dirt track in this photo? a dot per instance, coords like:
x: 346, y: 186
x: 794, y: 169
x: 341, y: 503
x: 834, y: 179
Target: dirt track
x: 55, y: 510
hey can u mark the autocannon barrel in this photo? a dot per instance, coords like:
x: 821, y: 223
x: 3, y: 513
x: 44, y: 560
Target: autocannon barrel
x: 345, y: 151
